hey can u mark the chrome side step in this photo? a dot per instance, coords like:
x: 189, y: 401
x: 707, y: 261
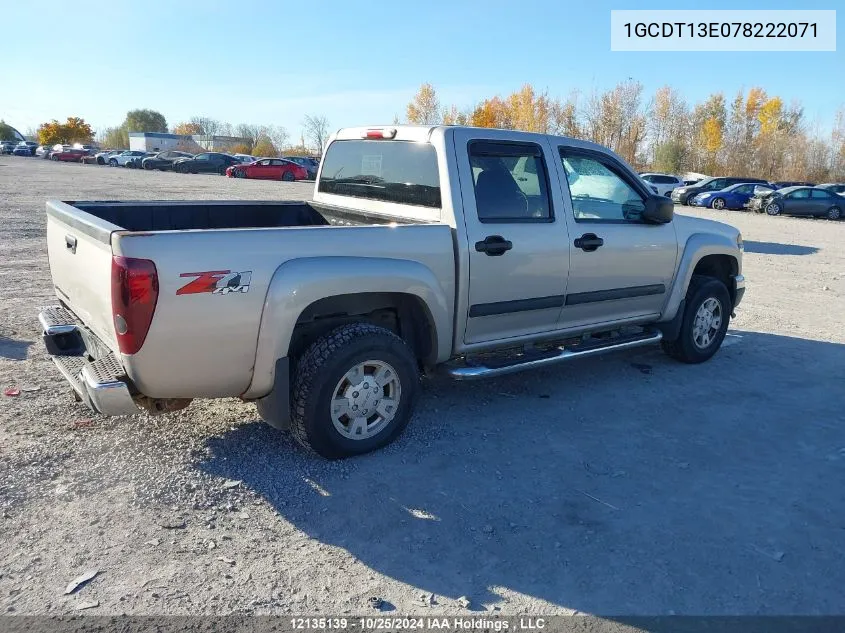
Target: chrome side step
x: 477, y: 372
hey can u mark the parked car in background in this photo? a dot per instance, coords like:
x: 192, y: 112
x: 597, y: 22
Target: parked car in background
x: 835, y: 187
x: 269, y: 169
x: 663, y: 184
x: 733, y: 197
x: 164, y: 160
x: 781, y: 184
x: 103, y: 157
x: 685, y: 194
x: 29, y: 146
x: 245, y: 158
x: 690, y: 182
x: 88, y: 147
x: 120, y: 160
x: 811, y: 201
x: 68, y: 154
x: 43, y: 151
x: 310, y: 164
x: 135, y: 161
x: 25, y: 148
x: 7, y: 147
x: 206, y: 163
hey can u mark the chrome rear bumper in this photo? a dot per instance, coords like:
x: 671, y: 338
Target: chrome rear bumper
x: 93, y: 371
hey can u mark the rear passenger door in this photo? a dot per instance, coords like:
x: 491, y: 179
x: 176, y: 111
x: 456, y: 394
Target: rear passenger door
x: 822, y: 201
x: 517, y: 241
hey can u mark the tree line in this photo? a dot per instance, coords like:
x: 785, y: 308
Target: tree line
x: 753, y: 134
x: 261, y: 140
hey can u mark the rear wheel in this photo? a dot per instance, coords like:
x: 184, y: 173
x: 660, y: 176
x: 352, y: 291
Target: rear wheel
x: 287, y: 176
x: 354, y: 391
x: 707, y: 310
x: 112, y: 162
x: 719, y: 204
x: 833, y: 213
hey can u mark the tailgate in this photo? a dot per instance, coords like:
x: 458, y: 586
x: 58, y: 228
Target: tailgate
x: 79, y: 250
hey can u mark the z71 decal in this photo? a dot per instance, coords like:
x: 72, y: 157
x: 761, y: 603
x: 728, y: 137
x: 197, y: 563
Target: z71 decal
x: 217, y: 282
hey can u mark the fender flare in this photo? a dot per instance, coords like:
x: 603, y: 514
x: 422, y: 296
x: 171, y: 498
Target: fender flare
x: 298, y: 283
x: 698, y: 246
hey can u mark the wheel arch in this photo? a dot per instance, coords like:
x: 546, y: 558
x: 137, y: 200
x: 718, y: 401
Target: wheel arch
x: 708, y: 254
x: 310, y: 296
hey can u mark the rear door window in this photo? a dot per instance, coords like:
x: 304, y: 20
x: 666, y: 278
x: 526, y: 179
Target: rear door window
x: 401, y: 172
x: 509, y: 181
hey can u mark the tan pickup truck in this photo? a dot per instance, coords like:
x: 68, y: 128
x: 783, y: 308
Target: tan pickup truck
x: 478, y: 251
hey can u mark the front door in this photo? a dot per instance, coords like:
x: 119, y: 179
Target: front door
x: 621, y: 268
x: 517, y: 239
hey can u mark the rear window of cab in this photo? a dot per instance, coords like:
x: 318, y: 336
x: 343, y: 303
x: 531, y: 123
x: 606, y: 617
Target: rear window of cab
x: 402, y: 172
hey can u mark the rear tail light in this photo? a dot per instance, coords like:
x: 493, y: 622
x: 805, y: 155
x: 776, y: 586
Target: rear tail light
x: 387, y: 132
x: 134, y: 293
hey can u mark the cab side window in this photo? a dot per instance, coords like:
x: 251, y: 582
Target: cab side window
x: 510, y: 182
x: 599, y: 191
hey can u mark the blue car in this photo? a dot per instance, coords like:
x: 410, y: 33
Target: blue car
x: 733, y: 197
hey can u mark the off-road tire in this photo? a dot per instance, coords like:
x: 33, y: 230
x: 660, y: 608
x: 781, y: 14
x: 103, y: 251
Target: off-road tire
x: 320, y: 368
x: 684, y: 348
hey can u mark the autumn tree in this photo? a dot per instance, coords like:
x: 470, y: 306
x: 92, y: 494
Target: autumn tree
x: 424, y: 108
x: 710, y: 138
x: 453, y: 116
x: 491, y: 113
x: 668, y: 122
x: 265, y: 147
x: 615, y: 119
x: 187, y: 128
x: 145, y: 121
x: 73, y: 130
x: 317, y: 130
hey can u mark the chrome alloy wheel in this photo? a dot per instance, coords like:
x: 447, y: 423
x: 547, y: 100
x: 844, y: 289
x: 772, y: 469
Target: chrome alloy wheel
x: 708, y: 320
x: 365, y: 400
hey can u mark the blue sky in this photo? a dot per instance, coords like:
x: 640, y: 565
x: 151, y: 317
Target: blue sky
x: 358, y: 63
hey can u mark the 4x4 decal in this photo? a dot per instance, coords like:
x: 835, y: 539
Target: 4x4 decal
x: 218, y: 282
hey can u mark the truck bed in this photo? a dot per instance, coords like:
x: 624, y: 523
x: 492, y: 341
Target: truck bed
x: 195, y: 215
x: 204, y: 344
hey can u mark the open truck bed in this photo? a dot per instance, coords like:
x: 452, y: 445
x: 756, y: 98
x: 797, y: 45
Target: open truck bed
x: 164, y: 300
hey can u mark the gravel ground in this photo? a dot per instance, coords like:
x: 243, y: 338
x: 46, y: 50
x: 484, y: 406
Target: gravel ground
x: 625, y: 484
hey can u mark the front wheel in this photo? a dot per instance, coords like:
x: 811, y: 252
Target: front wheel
x: 112, y: 162
x: 287, y: 176
x: 707, y: 310
x: 773, y: 208
x: 833, y: 213
x: 55, y: 158
x: 101, y: 160
x: 221, y: 170
x: 354, y: 391
x: 719, y: 204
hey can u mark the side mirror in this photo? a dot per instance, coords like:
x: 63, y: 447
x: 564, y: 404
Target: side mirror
x: 658, y: 210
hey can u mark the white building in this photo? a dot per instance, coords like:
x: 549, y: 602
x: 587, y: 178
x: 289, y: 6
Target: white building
x: 160, y: 141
